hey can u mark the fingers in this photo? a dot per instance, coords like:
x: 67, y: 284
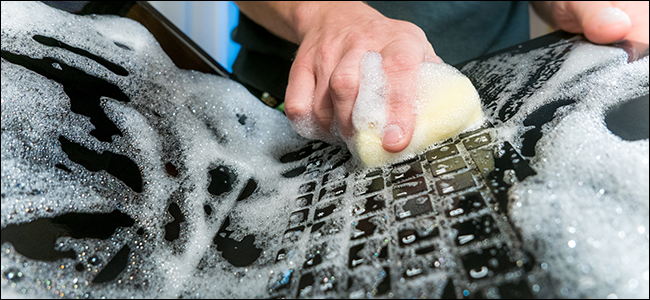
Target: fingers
x: 300, y: 90
x: 601, y: 22
x: 401, y: 76
x: 344, y: 89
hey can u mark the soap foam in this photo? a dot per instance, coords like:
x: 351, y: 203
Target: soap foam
x: 189, y: 119
x: 445, y: 105
x: 584, y: 216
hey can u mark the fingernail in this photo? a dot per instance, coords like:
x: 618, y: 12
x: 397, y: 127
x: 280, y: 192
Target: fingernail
x: 611, y: 15
x: 393, y: 136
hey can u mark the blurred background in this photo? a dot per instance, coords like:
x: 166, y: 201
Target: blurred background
x: 209, y: 24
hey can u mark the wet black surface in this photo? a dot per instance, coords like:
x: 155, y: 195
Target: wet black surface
x: 413, y: 207
x: 239, y: 254
x: 406, y: 172
x: 490, y: 84
x: 37, y: 239
x: 48, y: 41
x: 118, y: 165
x: 173, y: 229
x: 475, y: 230
x: 630, y: 120
x: 303, y: 152
x: 409, y: 188
x: 83, y: 89
x: 294, y: 172
x: 223, y: 179
x: 249, y: 189
x: 449, y: 292
x: 465, y: 204
x: 332, y: 191
x: 487, y: 262
x: 537, y: 119
x: 114, y: 267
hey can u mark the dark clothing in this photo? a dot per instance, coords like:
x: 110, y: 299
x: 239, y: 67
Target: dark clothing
x: 458, y: 31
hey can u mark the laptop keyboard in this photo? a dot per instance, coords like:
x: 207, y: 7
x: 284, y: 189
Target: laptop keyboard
x: 438, y: 219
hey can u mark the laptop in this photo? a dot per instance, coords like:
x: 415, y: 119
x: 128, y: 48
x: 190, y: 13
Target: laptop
x: 438, y: 225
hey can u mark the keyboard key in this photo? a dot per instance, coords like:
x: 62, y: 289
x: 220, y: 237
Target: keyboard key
x: 448, y: 165
x: 465, y: 204
x: 454, y: 183
x: 369, y: 186
x: 425, y: 250
x: 365, y: 253
x: 378, y: 284
x: 477, y: 229
x: 325, y: 211
x: 304, y: 152
x: 441, y: 152
x: 484, y: 160
x: 371, y: 204
x: 418, y: 231
x: 488, y: 262
x: 298, y: 217
x: 374, y: 173
x: 307, y: 187
x: 305, y: 285
x: 409, y: 188
x: 338, y: 160
x: 477, y: 141
x: 413, y: 269
x: 326, y: 228
x: 319, y: 283
x: 355, y: 257
x: 305, y: 200
x: 332, y: 191
x: 406, y: 172
x: 413, y: 207
x: 293, y: 234
x: 337, y: 174
x: 367, y: 227
x: 294, y: 172
x: 312, y: 260
x: 282, y: 255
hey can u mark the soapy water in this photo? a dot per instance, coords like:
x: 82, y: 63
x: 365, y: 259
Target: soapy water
x: 584, y: 216
x: 207, y: 187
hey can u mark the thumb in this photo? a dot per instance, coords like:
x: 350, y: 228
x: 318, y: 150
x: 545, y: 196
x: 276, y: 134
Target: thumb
x: 601, y: 22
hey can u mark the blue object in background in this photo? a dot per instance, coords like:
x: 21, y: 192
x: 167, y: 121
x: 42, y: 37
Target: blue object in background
x: 207, y: 23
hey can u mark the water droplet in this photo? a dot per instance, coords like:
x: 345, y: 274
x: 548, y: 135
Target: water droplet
x: 572, y: 244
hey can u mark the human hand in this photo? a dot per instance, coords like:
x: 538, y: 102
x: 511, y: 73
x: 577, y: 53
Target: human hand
x: 602, y: 22
x: 324, y: 78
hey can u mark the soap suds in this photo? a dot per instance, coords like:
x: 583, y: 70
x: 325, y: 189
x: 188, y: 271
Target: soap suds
x: 583, y: 216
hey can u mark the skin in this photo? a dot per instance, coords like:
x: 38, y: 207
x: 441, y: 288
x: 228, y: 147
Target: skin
x: 333, y: 37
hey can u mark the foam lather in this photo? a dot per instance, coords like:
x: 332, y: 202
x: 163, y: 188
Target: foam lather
x: 447, y: 104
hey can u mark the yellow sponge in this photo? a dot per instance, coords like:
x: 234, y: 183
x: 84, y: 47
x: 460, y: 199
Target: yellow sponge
x: 448, y: 104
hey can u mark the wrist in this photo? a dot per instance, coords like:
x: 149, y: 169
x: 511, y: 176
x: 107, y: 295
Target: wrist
x: 310, y: 16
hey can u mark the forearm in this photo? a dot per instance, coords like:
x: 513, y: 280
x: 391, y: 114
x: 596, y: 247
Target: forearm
x: 291, y: 20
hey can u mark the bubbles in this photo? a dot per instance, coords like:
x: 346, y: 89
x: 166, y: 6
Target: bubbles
x: 591, y: 185
x: 572, y: 244
x: 194, y: 138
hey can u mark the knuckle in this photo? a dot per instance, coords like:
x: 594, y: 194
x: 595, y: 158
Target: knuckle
x: 343, y: 83
x: 300, y: 66
x: 401, y: 62
x: 295, y: 110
